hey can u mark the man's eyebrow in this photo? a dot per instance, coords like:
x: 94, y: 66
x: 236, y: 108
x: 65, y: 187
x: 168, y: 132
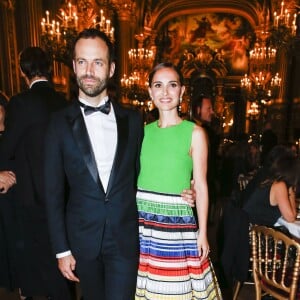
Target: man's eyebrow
x: 95, y: 59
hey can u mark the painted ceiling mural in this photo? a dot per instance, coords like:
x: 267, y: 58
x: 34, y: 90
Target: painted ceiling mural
x: 228, y: 36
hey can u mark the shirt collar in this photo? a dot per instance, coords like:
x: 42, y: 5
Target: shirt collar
x: 35, y: 81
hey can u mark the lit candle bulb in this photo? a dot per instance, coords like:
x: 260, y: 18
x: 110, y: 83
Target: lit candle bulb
x: 277, y: 21
x: 76, y: 21
x: 288, y: 19
x: 112, y: 33
x: 281, y: 11
x: 107, y: 26
x: 43, y: 25
x: 58, y: 34
x: 70, y: 9
x: 47, y: 16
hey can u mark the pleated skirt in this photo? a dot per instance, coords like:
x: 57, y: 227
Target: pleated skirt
x: 169, y: 266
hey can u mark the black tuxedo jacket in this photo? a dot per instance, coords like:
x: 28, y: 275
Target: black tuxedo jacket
x: 77, y: 224
x: 23, y: 139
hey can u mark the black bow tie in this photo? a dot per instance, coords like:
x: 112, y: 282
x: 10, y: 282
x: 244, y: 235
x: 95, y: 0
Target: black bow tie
x: 105, y: 108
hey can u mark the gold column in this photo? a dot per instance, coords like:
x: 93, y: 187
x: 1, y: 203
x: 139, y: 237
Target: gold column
x: 283, y: 55
x: 9, y: 71
x: 30, y: 20
x: 125, y: 34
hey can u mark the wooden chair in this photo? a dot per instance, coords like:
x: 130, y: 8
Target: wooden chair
x: 275, y: 263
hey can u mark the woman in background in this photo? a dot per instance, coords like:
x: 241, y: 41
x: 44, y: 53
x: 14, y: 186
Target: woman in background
x: 174, y: 261
x: 271, y: 194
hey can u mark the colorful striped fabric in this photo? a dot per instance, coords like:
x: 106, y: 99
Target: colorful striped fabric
x: 169, y: 267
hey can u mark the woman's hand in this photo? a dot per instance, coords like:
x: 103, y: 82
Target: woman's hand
x: 203, y: 247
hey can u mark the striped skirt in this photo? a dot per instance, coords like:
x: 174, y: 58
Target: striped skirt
x: 169, y: 266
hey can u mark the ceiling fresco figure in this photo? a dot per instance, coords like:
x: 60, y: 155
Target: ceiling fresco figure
x: 200, y: 32
x: 230, y: 36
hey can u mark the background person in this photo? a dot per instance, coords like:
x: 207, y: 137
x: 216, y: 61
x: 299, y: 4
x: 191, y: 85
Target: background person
x: 3, y: 104
x: 203, y: 114
x: 8, y: 277
x: 268, y: 140
x: 271, y: 193
x: 7, y: 178
x: 23, y: 145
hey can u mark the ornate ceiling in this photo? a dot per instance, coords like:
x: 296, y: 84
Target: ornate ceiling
x: 163, y: 11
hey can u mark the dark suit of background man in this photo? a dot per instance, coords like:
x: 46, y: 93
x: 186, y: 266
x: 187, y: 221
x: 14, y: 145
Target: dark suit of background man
x: 23, y: 144
x: 96, y: 155
x: 203, y: 114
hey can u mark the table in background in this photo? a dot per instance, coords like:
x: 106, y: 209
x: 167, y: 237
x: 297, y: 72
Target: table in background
x: 293, y: 228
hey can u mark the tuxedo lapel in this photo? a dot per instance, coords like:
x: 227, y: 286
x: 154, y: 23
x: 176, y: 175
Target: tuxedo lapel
x: 122, y: 128
x: 82, y: 139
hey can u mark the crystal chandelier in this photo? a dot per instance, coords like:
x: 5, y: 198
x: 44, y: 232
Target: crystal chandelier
x: 58, y: 35
x: 253, y: 110
x: 262, y: 52
x: 285, y: 18
x: 140, y: 57
x: 135, y: 86
x: 260, y: 84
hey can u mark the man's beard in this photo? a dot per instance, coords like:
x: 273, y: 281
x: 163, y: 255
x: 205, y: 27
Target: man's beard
x: 92, y: 90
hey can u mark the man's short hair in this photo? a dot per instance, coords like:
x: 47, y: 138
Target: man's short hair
x: 35, y: 62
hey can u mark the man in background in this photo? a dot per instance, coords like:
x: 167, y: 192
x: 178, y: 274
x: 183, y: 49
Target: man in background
x: 268, y: 140
x: 22, y: 145
x: 203, y: 113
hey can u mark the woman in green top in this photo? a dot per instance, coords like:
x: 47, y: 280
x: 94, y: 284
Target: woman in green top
x: 174, y: 261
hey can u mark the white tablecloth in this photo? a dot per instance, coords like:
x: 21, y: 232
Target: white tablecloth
x: 293, y: 228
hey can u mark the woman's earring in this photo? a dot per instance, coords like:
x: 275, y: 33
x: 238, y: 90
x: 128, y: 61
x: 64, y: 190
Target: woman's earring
x: 179, y: 106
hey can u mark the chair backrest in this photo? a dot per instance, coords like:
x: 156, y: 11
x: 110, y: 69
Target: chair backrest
x: 275, y: 262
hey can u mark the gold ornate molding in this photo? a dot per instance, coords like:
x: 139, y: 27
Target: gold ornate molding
x: 9, y: 55
x: 9, y: 4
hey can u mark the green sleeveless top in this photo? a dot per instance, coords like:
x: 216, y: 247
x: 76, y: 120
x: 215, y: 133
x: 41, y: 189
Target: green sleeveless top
x: 166, y: 165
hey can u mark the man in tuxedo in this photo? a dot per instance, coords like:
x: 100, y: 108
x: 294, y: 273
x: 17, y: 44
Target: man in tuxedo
x: 92, y: 152
x: 22, y: 147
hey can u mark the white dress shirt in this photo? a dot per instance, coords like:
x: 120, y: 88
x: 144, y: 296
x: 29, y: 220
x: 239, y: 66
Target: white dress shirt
x: 102, y: 130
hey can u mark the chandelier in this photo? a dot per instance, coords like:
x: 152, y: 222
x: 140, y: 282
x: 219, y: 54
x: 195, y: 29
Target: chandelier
x: 135, y: 86
x: 285, y: 18
x: 253, y: 110
x: 260, y: 84
x: 262, y: 52
x: 58, y: 35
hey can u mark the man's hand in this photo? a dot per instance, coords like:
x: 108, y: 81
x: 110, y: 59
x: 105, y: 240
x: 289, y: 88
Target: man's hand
x: 7, y: 180
x: 189, y: 195
x: 66, y: 266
